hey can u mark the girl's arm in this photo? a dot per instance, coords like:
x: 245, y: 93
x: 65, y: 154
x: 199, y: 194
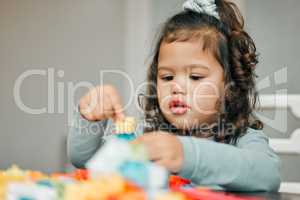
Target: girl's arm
x: 84, y: 139
x: 251, y: 165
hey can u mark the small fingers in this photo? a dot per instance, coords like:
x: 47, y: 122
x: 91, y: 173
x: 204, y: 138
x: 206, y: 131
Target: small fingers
x: 116, y: 105
x: 153, y: 150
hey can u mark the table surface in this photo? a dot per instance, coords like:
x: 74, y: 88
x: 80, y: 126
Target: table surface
x: 272, y: 196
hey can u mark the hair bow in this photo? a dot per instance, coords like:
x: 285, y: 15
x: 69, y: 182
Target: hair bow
x: 208, y: 7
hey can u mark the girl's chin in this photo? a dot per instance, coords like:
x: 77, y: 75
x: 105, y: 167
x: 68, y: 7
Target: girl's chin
x: 183, y: 123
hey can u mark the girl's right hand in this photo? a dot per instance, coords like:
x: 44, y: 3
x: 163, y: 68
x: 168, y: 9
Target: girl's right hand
x: 101, y: 102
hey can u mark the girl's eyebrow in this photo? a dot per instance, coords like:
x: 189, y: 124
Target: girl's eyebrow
x: 192, y: 66
x: 165, y: 68
x: 202, y: 66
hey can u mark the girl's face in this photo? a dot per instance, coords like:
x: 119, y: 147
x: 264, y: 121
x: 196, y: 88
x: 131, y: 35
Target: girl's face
x: 190, y: 84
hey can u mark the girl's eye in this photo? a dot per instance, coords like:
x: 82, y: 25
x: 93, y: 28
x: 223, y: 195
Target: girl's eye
x: 195, y: 77
x: 167, y: 78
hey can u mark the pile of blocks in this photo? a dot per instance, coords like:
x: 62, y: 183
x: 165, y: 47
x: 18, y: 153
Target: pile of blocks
x: 120, y: 170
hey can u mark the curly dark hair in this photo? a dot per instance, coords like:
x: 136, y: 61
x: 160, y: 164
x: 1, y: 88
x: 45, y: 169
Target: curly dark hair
x: 235, y: 51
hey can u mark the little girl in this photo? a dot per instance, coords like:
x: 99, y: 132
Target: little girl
x: 198, y: 106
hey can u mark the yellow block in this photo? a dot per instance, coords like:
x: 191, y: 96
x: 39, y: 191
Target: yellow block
x: 171, y: 196
x: 99, y: 189
x: 13, y: 174
x: 127, y: 125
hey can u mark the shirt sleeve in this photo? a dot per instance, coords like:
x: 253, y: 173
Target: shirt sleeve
x: 84, y: 139
x: 250, y: 165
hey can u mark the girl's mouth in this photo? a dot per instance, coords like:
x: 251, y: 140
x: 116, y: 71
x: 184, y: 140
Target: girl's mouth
x: 178, y: 107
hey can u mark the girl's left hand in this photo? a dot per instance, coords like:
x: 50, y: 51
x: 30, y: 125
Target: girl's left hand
x: 164, y: 149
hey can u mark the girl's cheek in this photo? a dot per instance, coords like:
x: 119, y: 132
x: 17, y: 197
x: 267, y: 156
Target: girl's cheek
x: 206, y: 106
x: 205, y: 97
x: 163, y: 89
x: 163, y: 96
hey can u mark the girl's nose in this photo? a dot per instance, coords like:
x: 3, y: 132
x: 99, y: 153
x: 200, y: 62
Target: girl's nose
x: 178, y: 87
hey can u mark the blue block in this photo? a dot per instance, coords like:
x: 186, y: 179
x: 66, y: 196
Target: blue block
x: 45, y: 183
x: 126, y: 137
x: 135, y: 171
x: 26, y: 198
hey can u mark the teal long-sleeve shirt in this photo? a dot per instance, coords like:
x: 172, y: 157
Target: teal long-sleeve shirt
x: 250, y: 165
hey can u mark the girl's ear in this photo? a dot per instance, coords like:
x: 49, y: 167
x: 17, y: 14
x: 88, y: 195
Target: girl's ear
x: 141, y: 101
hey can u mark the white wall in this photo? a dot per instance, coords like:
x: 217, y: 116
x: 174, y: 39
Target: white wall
x: 79, y: 37
x: 137, y: 43
x: 274, y: 25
